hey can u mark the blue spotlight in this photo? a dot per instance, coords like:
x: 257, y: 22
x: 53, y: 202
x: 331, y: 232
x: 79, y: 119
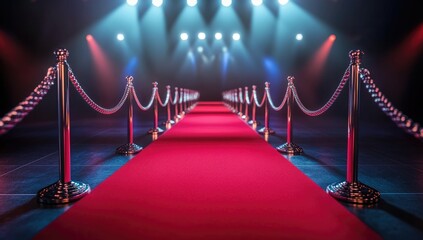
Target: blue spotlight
x: 226, y: 3
x: 132, y: 2
x: 200, y: 49
x: 283, y: 2
x: 201, y: 36
x: 257, y: 2
x: 192, y: 3
x: 120, y: 37
x: 236, y: 36
x: 299, y: 37
x: 157, y: 3
x: 218, y: 36
x: 184, y: 36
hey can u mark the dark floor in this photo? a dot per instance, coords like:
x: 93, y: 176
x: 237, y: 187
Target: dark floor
x: 389, y: 160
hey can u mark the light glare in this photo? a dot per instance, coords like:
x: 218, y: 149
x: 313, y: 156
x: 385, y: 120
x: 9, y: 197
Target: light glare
x: 236, y: 36
x: 120, y: 37
x: 132, y: 2
x: 157, y: 3
x: 191, y: 3
x: 218, y: 36
x: 299, y: 37
x: 283, y: 2
x: 226, y: 3
x: 201, y: 36
x: 184, y: 36
x: 257, y: 2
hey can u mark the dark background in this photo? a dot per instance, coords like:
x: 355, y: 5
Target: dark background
x: 38, y: 27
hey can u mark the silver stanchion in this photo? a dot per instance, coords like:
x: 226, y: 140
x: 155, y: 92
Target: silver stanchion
x: 240, y: 99
x: 64, y: 190
x: 169, y: 120
x: 266, y: 129
x: 245, y: 116
x: 130, y: 147
x: 233, y: 102
x: 186, y: 109
x: 177, y: 116
x: 351, y: 190
x: 155, y: 130
x: 181, y: 105
x: 253, y: 121
x: 289, y: 147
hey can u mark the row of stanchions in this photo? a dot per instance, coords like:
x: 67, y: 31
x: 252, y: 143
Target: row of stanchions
x: 351, y: 190
x: 65, y: 190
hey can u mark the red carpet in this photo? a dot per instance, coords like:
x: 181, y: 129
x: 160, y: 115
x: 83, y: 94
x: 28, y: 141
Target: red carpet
x: 210, y: 177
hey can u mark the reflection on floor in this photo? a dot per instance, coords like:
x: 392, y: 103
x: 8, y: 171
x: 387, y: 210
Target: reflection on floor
x: 389, y: 161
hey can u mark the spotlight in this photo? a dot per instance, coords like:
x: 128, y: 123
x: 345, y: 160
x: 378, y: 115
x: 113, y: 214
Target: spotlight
x: 120, y: 37
x: 218, y: 36
x: 283, y: 2
x: 236, y: 36
x: 132, y: 2
x: 201, y: 36
x: 257, y: 2
x: 157, y: 3
x: 299, y: 37
x: 184, y: 36
x: 89, y: 37
x: 200, y: 49
x: 332, y: 37
x: 192, y: 3
x: 226, y: 3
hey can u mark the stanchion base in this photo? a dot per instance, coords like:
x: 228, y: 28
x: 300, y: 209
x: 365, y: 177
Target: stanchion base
x: 251, y: 122
x: 128, y: 148
x: 169, y: 122
x: 355, y: 192
x: 62, y: 193
x: 290, y: 148
x: 155, y: 130
x: 266, y: 131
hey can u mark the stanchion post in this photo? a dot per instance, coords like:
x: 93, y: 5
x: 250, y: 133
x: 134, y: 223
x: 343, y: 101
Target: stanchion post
x: 233, y: 100
x: 240, y: 95
x: 181, y: 100
x: 64, y: 190
x: 130, y: 147
x: 245, y: 116
x: 177, y: 115
x: 253, y: 121
x: 236, y: 101
x: 169, y: 120
x: 351, y: 190
x: 266, y: 129
x: 289, y: 147
x: 155, y: 130
x: 186, y: 100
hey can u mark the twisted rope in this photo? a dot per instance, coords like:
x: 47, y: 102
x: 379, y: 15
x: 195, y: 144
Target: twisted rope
x: 271, y: 102
x: 262, y: 100
x: 18, y: 113
x: 150, y: 103
x: 174, y: 101
x: 328, y: 104
x: 94, y: 105
x: 163, y: 104
x: 241, y: 99
x: 401, y: 120
x: 248, y: 100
